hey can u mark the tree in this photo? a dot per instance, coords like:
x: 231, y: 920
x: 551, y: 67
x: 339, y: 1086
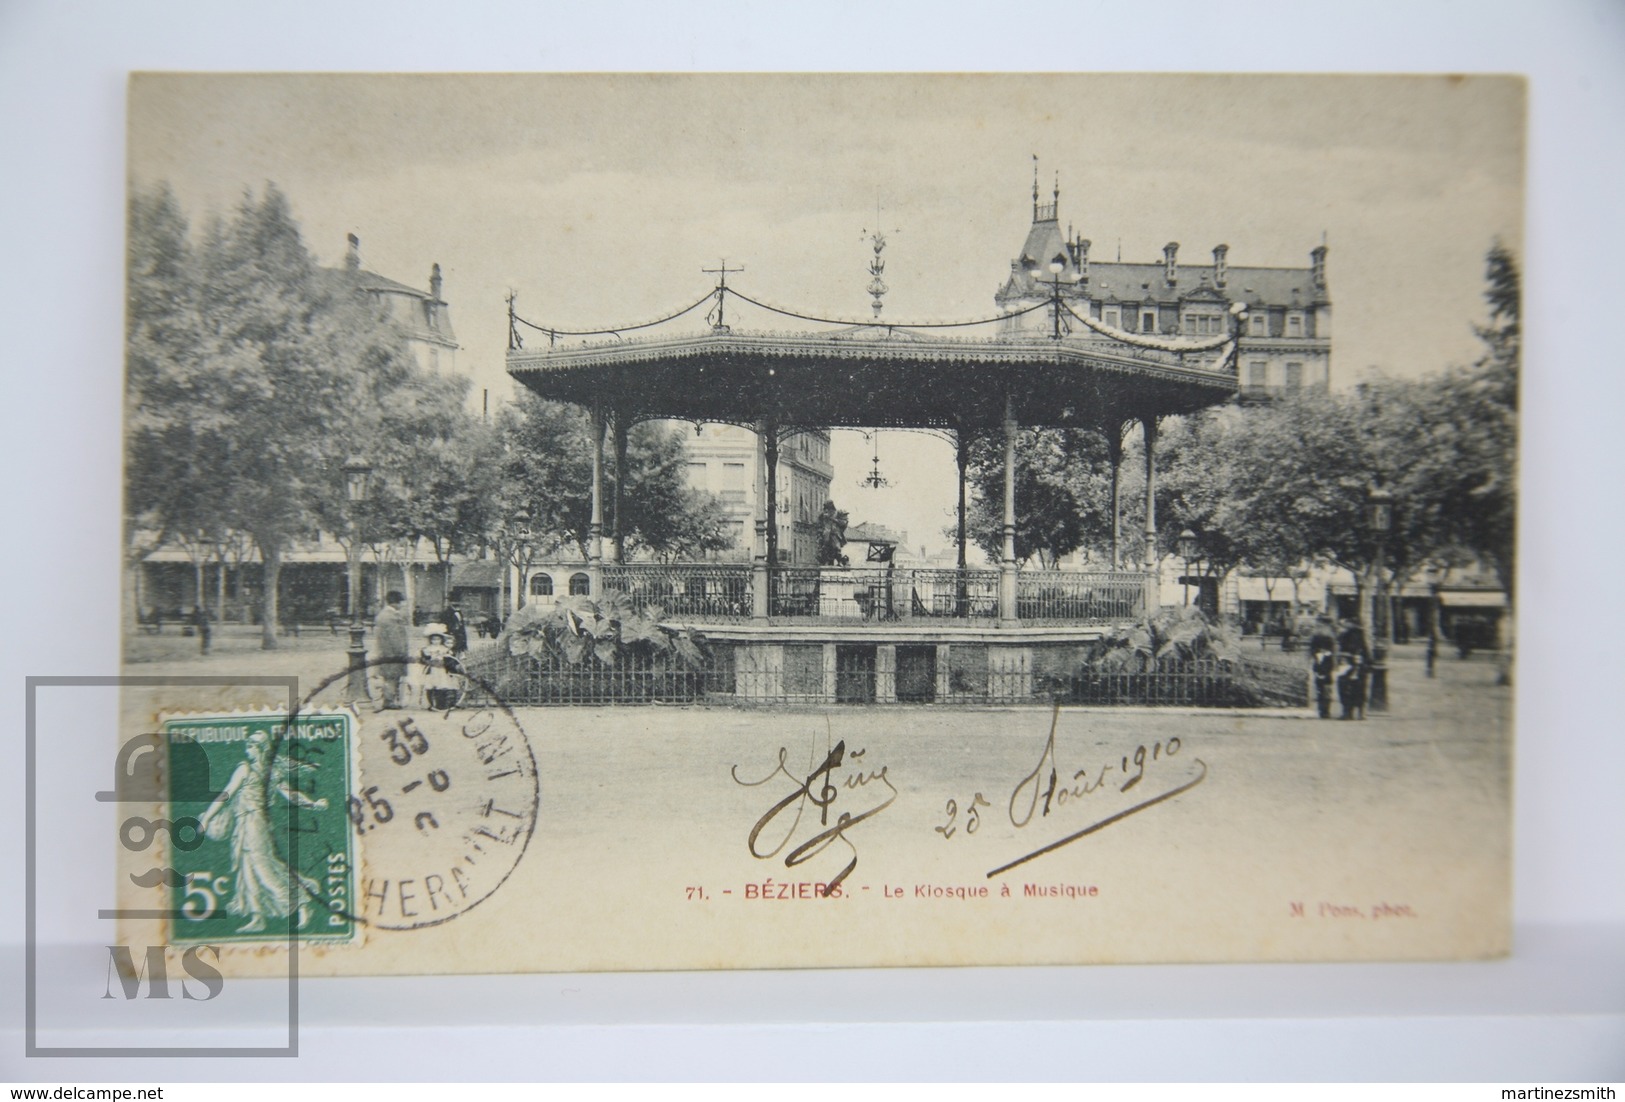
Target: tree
x: 252, y: 376
x: 1484, y: 408
x: 447, y: 480
x: 660, y: 512
x: 546, y: 474
x: 167, y: 488
x: 547, y: 480
x: 1063, y: 494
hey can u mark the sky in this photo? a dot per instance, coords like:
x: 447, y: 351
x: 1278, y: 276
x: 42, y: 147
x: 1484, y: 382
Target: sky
x: 599, y: 199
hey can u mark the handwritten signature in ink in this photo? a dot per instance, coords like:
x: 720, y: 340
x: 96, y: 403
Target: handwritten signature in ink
x: 842, y: 775
x: 1042, y: 792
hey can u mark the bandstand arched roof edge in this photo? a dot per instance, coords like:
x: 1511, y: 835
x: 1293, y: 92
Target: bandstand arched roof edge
x: 873, y: 381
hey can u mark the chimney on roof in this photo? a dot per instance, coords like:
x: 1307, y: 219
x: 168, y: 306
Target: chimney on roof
x: 1080, y: 258
x: 434, y: 282
x: 1221, y: 257
x: 1317, y: 262
x: 1170, y: 254
x: 352, y: 254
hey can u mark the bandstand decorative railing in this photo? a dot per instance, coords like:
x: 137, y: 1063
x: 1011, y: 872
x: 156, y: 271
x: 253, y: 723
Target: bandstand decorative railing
x: 685, y: 591
x: 1072, y: 597
x: 882, y: 594
x: 724, y: 593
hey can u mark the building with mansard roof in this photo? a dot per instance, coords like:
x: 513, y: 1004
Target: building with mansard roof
x: 420, y: 316
x: 173, y: 579
x: 1287, y: 336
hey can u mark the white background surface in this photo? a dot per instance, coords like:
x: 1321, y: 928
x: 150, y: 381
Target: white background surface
x: 1557, y: 1011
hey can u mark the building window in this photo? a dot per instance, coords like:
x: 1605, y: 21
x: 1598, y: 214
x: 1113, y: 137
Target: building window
x: 696, y: 475
x: 1256, y: 376
x: 580, y: 585
x: 1112, y: 316
x: 1294, y: 325
x: 733, y: 482
x: 1294, y: 376
x: 541, y: 585
x: 1148, y: 321
x: 434, y: 360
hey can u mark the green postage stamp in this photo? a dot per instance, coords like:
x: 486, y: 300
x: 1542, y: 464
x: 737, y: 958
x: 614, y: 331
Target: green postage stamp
x: 263, y: 850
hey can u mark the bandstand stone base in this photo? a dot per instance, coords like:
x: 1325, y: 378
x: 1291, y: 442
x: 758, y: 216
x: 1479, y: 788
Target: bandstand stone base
x: 892, y: 664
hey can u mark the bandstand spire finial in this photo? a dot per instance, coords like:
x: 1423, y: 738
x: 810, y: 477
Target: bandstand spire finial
x: 877, y: 266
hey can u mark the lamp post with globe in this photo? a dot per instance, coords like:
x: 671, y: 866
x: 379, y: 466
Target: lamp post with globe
x: 357, y: 476
x: 1187, y: 551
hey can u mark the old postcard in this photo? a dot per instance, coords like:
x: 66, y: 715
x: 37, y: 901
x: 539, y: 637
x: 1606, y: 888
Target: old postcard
x: 629, y: 522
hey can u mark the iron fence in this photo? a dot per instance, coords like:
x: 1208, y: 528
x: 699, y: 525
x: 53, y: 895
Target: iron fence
x: 1201, y: 683
x: 813, y: 674
x: 634, y: 679
x: 961, y: 594
x: 836, y: 593
x: 1073, y: 597
x: 882, y: 593
x: 691, y: 591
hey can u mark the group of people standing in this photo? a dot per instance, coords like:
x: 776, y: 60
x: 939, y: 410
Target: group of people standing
x: 1341, y: 660
x: 427, y: 674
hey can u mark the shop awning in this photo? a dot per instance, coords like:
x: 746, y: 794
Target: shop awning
x: 1473, y: 598
x: 481, y: 574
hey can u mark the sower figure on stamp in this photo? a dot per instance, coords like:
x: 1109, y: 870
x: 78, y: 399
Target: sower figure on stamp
x: 391, y: 647
x: 263, y: 884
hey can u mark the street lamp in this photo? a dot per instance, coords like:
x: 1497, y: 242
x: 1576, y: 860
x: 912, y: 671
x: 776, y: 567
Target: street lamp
x: 1379, y: 520
x: 357, y: 474
x: 1057, y: 265
x: 520, y: 533
x: 1187, y: 551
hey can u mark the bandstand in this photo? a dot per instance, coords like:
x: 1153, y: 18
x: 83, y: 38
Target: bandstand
x: 881, y: 633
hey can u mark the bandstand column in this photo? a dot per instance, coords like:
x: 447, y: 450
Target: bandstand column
x: 759, y: 603
x: 962, y: 459
x: 1114, y: 456
x: 770, y: 449
x: 618, y: 528
x: 1007, y: 562
x: 595, y: 528
x: 1153, y: 581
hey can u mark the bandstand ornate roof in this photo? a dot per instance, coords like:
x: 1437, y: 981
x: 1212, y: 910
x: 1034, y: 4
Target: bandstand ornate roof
x: 875, y: 376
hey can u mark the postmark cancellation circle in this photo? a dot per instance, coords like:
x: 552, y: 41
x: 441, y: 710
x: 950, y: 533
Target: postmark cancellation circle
x: 443, y: 809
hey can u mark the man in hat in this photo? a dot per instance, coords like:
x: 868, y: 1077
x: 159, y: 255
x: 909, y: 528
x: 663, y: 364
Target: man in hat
x: 1323, y: 663
x: 391, y: 645
x: 1354, y: 665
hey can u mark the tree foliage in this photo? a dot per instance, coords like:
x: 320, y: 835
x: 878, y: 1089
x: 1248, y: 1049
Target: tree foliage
x: 252, y: 376
x: 1063, y: 494
x: 547, y: 473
